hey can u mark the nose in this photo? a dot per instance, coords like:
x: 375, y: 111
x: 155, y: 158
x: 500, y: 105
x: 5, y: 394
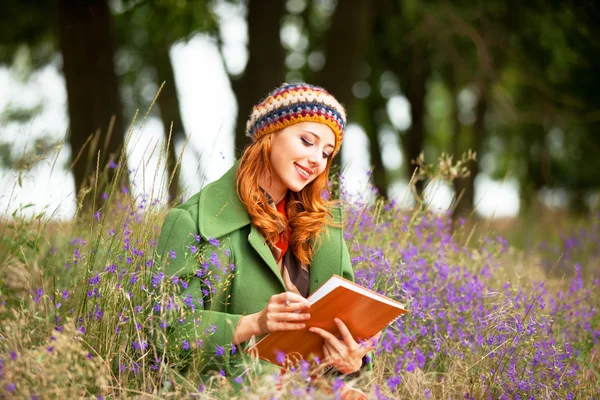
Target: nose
x: 314, y: 160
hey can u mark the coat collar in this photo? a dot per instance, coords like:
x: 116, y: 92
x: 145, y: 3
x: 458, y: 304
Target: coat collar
x: 220, y: 209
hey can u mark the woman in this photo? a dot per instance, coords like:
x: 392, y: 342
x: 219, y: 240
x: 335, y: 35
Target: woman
x: 268, y: 235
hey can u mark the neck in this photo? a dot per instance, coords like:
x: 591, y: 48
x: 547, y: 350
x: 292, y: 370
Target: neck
x: 277, y: 192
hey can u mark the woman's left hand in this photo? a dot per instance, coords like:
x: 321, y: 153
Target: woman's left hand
x: 345, y: 355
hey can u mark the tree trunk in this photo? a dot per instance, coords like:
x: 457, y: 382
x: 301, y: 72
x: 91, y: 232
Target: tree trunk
x: 379, y: 174
x: 416, y: 89
x: 266, y: 63
x: 87, y: 45
x: 168, y: 103
x: 373, y: 104
x: 346, y: 47
x: 465, y: 188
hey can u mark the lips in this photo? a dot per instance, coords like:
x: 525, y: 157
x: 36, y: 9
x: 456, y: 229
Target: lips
x: 305, y: 173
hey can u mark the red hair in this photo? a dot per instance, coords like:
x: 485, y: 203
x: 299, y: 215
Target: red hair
x: 307, y: 210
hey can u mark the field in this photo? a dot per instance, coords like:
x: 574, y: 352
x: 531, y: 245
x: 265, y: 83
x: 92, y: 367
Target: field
x: 491, y: 316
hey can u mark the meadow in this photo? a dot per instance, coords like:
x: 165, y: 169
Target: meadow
x: 80, y: 300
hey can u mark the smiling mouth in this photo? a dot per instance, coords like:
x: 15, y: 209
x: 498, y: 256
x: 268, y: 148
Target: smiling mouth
x: 302, y: 171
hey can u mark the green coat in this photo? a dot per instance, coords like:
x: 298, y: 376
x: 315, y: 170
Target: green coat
x: 216, y: 212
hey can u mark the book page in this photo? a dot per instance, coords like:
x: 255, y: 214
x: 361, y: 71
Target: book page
x: 336, y: 281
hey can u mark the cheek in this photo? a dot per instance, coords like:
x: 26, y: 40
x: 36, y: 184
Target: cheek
x: 323, y: 167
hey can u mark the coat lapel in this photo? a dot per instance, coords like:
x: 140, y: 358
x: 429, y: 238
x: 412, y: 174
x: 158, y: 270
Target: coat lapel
x: 323, y: 265
x: 259, y: 243
x: 327, y: 259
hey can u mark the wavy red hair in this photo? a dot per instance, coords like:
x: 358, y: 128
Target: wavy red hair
x: 307, y: 210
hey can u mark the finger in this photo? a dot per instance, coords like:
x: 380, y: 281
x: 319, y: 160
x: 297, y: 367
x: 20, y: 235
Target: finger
x: 372, y: 342
x: 346, y: 335
x: 375, y: 340
x: 274, y: 326
x: 329, y: 339
x: 288, y: 316
x: 291, y: 297
x: 291, y: 307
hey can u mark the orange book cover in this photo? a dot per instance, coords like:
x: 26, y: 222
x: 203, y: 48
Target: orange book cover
x: 364, y: 312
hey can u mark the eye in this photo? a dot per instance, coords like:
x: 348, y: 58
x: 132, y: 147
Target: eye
x: 305, y: 141
x: 325, y: 155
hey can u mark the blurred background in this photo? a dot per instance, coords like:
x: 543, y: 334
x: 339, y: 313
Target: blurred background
x: 516, y: 82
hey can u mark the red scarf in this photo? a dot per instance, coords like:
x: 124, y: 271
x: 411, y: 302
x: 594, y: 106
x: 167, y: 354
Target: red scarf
x: 283, y: 243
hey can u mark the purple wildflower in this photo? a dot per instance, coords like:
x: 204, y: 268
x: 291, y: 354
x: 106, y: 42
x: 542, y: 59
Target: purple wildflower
x: 38, y: 294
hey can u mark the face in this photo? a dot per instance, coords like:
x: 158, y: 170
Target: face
x: 299, y: 154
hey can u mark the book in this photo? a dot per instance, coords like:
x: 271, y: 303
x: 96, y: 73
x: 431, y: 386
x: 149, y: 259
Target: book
x: 364, y: 312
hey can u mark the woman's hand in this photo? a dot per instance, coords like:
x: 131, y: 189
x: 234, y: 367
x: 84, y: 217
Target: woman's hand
x: 345, y: 355
x: 283, y: 312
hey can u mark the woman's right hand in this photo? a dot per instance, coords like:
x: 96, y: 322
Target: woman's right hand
x: 284, y: 312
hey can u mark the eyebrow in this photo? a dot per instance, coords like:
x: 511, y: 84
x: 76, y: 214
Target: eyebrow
x: 318, y: 137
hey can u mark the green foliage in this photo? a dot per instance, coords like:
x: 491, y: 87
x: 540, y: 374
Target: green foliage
x: 27, y: 23
x: 145, y: 27
x: 41, y: 150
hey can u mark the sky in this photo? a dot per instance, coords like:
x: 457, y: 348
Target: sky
x: 208, y: 108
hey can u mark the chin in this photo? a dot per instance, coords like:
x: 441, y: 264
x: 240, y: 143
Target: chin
x: 296, y: 186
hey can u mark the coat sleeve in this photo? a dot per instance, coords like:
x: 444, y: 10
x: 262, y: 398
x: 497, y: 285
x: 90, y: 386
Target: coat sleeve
x: 199, y: 275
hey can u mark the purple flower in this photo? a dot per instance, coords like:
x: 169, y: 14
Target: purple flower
x: 219, y: 351
x: 156, y: 278
x: 280, y: 357
x: 13, y: 355
x: 393, y: 382
x: 214, y: 242
x: 95, y: 279
x: 140, y: 345
x: 38, y: 294
x: 11, y: 387
x: 185, y: 345
x: 97, y: 215
x: 214, y: 259
x: 172, y: 254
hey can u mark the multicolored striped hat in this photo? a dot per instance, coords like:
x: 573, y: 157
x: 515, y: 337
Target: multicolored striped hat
x: 293, y: 103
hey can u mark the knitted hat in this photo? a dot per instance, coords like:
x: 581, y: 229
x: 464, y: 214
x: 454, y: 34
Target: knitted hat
x: 299, y: 102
